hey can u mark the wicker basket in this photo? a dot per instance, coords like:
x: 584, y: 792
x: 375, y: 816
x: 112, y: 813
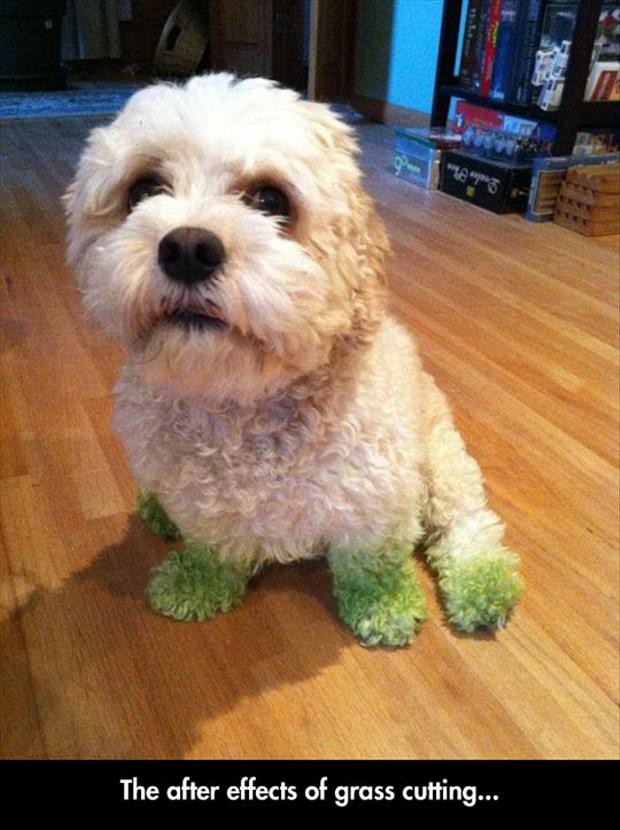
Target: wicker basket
x: 183, y: 40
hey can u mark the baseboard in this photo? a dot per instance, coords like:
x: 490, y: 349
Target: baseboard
x: 385, y: 113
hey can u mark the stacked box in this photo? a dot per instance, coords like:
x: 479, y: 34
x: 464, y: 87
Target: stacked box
x: 417, y: 155
x: 589, y: 200
x: 548, y: 175
x: 493, y: 185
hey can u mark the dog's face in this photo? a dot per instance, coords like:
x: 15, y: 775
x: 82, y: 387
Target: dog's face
x: 220, y: 231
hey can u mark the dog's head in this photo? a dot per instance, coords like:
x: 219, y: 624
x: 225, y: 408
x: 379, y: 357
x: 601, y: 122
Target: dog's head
x: 220, y: 231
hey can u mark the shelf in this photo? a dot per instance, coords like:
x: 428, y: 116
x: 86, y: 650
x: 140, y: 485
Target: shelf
x: 457, y: 91
x: 600, y: 114
x: 574, y: 114
x: 592, y: 113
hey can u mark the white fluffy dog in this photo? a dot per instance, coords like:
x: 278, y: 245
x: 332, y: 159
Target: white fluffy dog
x: 270, y: 407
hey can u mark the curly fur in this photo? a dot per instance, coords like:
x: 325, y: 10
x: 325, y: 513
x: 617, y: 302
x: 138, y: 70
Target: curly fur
x: 195, y: 584
x: 306, y: 424
x: 378, y: 593
x: 155, y: 517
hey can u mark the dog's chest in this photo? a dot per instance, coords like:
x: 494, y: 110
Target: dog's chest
x: 234, y: 460
x: 283, y: 475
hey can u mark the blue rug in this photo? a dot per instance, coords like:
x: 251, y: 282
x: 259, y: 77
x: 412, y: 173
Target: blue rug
x: 64, y: 102
x: 93, y: 101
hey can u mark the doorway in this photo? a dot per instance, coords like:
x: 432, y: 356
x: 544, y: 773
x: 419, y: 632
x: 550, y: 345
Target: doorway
x: 303, y: 44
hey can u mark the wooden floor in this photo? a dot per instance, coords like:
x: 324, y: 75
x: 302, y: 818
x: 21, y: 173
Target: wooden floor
x: 518, y: 322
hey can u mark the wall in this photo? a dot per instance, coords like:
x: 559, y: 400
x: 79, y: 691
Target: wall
x: 396, y: 51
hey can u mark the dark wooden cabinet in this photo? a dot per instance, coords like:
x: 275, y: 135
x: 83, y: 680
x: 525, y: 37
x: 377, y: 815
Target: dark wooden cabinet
x: 241, y: 36
x: 266, y: 37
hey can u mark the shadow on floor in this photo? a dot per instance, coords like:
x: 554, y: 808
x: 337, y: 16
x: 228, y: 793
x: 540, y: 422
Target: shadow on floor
x: 99, y: 675
x: 113, y: 679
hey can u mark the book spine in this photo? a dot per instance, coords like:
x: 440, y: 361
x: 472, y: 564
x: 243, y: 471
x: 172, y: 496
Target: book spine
x: 609, y: 86
x: 529, y: 35
x: 506, y: 49
x: 469, y: 39
x: 602, y: 82
x: 484, y: 7
x: 490, y: 48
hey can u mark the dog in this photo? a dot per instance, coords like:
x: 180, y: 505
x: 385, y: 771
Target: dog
x: 271, y: 409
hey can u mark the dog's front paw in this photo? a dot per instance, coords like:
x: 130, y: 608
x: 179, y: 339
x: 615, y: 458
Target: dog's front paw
x: 378, y: 597
x: 155, y: 517
x: 195, y: 584
x: 479, y: 591
x: 389, y: 623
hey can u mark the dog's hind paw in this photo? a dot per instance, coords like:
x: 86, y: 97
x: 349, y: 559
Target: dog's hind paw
x: 155, y: 517
x: 195, y: 584
x: 479, y: 591
x: 378, y: 595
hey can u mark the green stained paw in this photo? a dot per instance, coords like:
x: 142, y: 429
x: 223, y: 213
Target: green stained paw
x: 480, y: 591
x: 195, y: 584
x: 155, y: 517
x: 378, y: 594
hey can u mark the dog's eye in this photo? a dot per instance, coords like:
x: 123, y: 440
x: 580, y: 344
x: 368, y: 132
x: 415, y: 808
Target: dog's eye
x: 144, y: 189
x: 272, y: 201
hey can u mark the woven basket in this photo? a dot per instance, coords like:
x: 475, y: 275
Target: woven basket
x: 183, y: 40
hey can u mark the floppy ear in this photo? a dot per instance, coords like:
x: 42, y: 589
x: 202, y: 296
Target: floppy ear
x: 97, y: 173
x: 371, y: 245
x: 87, y: 203
x: 360, y: 244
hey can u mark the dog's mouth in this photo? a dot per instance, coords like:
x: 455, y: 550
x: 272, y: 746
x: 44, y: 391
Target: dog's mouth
x: 193, y: 317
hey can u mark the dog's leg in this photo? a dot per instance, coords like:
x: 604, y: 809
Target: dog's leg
x: 155, y: 517
x: 477, y: 574
x: 195, y: 584
x: 377, y: 592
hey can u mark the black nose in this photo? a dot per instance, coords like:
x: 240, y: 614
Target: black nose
x: 190, y: 255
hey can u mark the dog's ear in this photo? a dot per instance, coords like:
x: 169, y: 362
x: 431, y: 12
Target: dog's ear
x: 87, y: 201
x: 361, y: 245
x: 370, y: 242
x: 370, y: 238
x: 335, y: 136
x: 101, y: 169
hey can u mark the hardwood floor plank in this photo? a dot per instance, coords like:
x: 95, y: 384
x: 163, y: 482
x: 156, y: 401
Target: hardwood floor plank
x: 21, y: 736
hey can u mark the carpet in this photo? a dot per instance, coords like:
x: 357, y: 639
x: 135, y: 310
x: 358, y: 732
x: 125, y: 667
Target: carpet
x: 94, y: 101
x: 66, y: 102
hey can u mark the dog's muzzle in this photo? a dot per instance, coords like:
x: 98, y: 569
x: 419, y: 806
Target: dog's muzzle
x: 191, y: 255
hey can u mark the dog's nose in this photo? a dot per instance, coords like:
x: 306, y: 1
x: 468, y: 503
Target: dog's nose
x: 190, y: 255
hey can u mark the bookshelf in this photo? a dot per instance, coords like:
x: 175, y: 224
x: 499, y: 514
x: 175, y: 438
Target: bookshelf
x: 573, y: 113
